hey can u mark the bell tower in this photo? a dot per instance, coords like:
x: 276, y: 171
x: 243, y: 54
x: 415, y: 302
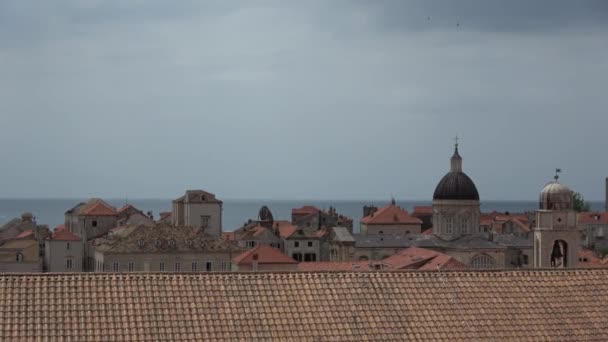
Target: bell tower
x: 556, y: 236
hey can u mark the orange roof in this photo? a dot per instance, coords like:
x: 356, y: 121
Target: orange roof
x: 126, y: 207
x: 286, y: 229
x: 336, y: 266
x: 423, y: 210
x: 586, y: 258
x: 391, y: 214
x: 305, y: 210
x: 24, y: 234
x: 59, y: 227
x: 99, y: 209
x: 264, y: 254
x: 593, y: 218
x: 64, y: 235
x: 165, y: 214
x: 421, y: 258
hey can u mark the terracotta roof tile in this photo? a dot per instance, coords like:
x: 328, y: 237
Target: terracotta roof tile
x: 514, y: 305
x: 391, y: 214
x: 264, y: 254
x: 593, y: 218
x: 63, y: 235
x: 421, y: 258
x: 423, y: 210
x: 305, y: 210
x: 335, y: 266
x: 25, y: 234
x: 98, y: 209
x: 59, y: 227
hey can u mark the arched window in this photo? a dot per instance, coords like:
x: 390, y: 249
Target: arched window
x: 333, y: 255
x: 482, y: 261
x: 449, y: 225
x: 464, y: 222
x: 19, y: 256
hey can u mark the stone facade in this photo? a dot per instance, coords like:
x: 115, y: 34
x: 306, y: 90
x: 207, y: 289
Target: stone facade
x: 162, y: 248
x: 63, y: 252
x: 199, y: 209
x: 20, y: 255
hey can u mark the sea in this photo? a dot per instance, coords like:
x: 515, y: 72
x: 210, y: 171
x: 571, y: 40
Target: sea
x: 236, y: 212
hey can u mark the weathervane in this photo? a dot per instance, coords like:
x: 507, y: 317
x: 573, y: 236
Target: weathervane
x: 557, y: 172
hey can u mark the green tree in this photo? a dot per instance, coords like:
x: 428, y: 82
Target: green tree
x: 579, y: 202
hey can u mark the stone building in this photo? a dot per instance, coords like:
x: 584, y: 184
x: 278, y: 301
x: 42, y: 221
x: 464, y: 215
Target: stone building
x: 456, y: 230
x: 390, y: 219
x: 263, y: 258
x: 21, y: 255
x: 594, y: 227
x: 424, y: 214
x: 301, y: 244
x: 91, y: 219
x: 556, y: 236
x: 162, y: 248
x: 312, y: 218
x: 199, y: 209
x: 63, y: 252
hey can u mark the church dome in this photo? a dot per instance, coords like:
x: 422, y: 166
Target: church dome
x: 556, y: 196
x: 456, y: 185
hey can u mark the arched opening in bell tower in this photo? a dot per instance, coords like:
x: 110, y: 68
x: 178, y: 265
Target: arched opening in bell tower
x: 559, y: 254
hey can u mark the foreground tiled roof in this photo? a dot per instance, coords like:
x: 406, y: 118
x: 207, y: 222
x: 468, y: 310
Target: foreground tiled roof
x: 336, y: 266
x: 390, y: 214
x: 537, y: 305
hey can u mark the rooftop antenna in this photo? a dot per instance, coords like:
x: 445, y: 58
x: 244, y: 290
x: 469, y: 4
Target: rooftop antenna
x: 557, y: 172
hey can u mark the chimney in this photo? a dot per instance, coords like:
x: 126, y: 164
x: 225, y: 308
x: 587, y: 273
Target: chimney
x: 255, y: 262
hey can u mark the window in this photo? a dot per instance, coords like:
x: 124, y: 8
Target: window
x: 525, y: 259
x: 463, y: 225
x: 333, y: 255
x: 223, y: 265
x: 131, y: 266
x: 171, y: 243
x: 178, y: 267
x: 208, y: 266
x: 94, y: 223
x: 250, y: 244
x: 194, y: 266
x: 297, y: 256
x: 19, y: 256
x: 158, y: 243
x: 309, y: 243
x: 205, y: 221
x: 310, y: 257
x: 296, y: 243
x: 449, y: 225
x: 67, y: 245
x: 68, y: 264
x: 141, y: 243
x: 161, y: 266
x: 116, y: 267
x: 482, y: 261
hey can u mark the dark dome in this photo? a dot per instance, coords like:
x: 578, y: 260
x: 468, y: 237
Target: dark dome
x: 456, y: 186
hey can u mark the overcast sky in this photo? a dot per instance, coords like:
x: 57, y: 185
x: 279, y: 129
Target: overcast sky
x: 301, y: 99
